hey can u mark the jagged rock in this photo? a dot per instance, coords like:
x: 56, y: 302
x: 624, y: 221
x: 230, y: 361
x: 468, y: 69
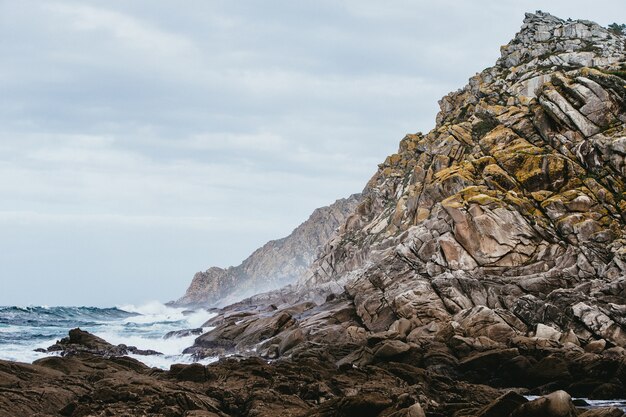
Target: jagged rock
x: 80, y: 341
x: 603, y: 412
x: 390, y: 348
x: 502, y: 227
x: 600, y: 323
x: 506, y: 219
x: 502, y: 406
x: 415, y: 410
x: 277, y: 263
x: 547, y: 332
x: 509, y: 211
x: 183, y: 333
x: 556, y: 404
x: 595, y: 346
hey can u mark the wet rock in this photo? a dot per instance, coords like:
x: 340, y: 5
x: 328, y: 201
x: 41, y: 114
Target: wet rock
x: 502, y: 406
x: 183, y: 333
x: 603, y: 412
x: 80, y: 341
x: 595, y: 346
x: 556, y: 404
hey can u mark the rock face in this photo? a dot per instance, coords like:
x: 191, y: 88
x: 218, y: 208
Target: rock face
x: 493, y: 245
x: 509, y: 214
x: 277, y: 263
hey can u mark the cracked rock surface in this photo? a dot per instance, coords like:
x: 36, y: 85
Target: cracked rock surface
x: 499, y: 232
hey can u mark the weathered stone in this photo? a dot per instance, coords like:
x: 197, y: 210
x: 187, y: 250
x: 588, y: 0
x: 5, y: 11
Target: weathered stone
x: 556, y: 404
x: 595, y: 346
x: 390, y: 348
x: 502, y: 406
x: 547, y: 332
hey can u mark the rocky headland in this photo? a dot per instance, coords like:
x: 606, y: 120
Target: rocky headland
x: 485, y: 261
x: 276, y: 264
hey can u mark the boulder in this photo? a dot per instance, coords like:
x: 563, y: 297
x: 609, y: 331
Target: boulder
x: 595, y: 346
x: 502, y: 406
x: 390, y: 348
x: 556, y: 404
x: 547, y: 332
x: 183, y: 333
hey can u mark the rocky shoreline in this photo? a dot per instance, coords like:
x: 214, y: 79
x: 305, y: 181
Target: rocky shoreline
x: 391, y: 378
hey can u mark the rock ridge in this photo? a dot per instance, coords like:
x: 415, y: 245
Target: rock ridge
x: 277, y: 263
x: 501, y: 228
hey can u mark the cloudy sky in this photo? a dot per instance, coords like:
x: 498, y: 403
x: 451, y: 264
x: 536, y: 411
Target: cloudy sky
x: 143, y: 141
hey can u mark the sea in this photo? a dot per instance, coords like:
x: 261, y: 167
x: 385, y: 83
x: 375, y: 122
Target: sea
x: 24, y: 329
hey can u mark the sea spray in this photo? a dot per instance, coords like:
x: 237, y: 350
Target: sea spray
x: 23, y: 329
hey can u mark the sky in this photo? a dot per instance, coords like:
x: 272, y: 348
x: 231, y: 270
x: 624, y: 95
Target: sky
x: 143, y: 141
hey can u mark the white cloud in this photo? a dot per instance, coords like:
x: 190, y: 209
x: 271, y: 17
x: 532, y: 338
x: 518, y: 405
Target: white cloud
x: 129, y: 31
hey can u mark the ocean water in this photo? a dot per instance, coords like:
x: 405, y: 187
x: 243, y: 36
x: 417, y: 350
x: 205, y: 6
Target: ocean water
x: 23, y: 329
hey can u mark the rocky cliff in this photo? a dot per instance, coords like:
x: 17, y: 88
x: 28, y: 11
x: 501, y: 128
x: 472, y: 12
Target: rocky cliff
x: 511, y: 207
x: 277, y: 263
x: 493, y: 246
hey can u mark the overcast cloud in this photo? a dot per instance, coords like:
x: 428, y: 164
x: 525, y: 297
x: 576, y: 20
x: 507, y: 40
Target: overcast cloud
x: 143, y: 141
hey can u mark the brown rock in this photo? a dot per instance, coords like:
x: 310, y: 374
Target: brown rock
x: 556, y: 404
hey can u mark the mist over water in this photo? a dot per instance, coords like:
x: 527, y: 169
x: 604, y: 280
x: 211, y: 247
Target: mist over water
x: 24, y: 329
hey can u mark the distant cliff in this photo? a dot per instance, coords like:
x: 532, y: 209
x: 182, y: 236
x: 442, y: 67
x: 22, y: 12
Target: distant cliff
x: 277, y: 263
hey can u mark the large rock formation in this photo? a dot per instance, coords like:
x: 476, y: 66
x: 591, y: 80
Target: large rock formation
x: 498, y: 237
x: 511, y: 208
x: 277, y: 263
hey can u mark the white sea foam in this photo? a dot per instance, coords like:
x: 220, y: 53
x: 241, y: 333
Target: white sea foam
x: 145, y: 330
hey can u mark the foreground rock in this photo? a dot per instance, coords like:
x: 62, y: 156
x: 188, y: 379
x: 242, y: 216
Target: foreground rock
x: 312, y: 381
x: 309, y: 383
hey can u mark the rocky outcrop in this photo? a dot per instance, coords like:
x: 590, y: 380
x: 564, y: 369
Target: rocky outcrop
x: 511, y: 209
x: 491, y: 248
x: 80, y: 341
x: 275, y: 264
x: 398, y: 379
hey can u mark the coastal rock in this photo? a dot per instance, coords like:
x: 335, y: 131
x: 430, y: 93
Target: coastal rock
x: 502, y: 406
x: 183, y: 333
x: 278, y: 263
x: 556, y: 404
x: 478, y: 260
x: 490, y: 248
x: 506, y: 218
x: 80, y: 341
x: 605, y: 412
